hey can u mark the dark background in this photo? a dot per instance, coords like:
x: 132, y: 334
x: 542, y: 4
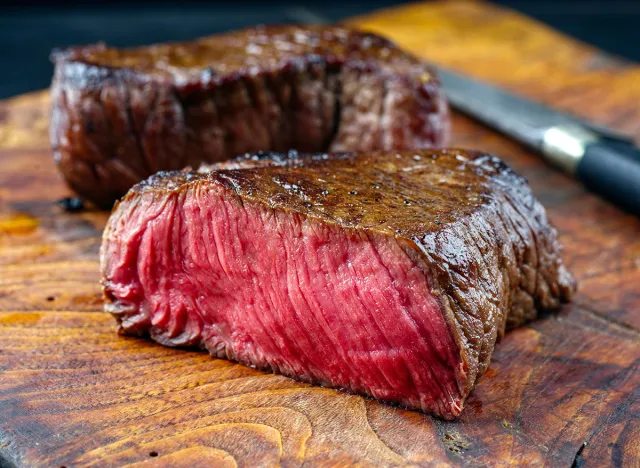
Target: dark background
x: 30, y: 29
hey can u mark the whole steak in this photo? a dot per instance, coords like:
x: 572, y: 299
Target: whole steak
x: 386, y: 274
x: 122, y: 115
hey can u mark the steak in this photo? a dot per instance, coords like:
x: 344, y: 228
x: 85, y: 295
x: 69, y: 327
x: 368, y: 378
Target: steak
x: 386, y: 274
x: 121, y: 115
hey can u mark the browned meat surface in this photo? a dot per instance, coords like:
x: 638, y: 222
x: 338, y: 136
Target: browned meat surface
x: 122, y: 115
x: 387, y: 274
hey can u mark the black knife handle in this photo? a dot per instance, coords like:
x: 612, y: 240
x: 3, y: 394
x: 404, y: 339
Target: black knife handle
x: 612, y: 170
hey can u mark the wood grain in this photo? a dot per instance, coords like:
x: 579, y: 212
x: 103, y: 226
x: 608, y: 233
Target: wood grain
x: 563, y: 391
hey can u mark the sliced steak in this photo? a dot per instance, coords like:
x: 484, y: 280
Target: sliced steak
x: 122, y: 115
x: 388, y: 274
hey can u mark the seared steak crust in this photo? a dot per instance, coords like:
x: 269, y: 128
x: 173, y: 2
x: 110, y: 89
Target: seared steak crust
x: 121, y: 115
x: 465, y: 219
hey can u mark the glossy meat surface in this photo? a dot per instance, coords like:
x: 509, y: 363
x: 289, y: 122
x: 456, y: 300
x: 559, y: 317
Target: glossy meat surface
x: 261, y: 49
x: 122, y: 115
x: 388, y: 274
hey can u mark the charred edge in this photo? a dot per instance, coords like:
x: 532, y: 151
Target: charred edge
x: 507, y: 225
x: 490, y: 329
x: 520, y: 252
x: 451, y: 309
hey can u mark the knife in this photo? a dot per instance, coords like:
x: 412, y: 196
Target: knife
x: 606, y: 162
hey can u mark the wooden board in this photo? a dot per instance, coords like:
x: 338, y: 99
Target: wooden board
x: 562, y: 391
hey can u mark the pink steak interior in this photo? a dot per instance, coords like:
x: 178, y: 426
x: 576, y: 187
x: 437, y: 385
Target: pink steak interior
x: 277, y: 290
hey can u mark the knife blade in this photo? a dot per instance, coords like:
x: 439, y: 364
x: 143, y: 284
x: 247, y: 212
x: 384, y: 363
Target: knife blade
x: 606, y: 161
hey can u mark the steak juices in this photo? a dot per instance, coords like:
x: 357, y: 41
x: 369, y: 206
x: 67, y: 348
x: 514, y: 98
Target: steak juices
x: 389, y: 274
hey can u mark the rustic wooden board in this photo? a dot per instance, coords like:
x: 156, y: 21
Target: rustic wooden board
x: 564, y: 390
